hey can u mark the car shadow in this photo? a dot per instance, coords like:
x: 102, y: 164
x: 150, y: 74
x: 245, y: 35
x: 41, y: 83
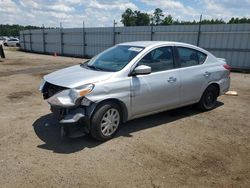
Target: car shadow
x: 48, y: 130
x: 159, y: 119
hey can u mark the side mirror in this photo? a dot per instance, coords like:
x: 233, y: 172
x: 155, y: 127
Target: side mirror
x: 141, y: 70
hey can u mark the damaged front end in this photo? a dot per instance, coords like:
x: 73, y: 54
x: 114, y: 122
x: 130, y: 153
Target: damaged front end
x: 70, y: 106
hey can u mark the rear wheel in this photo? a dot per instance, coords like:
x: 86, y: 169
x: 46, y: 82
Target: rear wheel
x: 105, y: 121
x: 209, y: 98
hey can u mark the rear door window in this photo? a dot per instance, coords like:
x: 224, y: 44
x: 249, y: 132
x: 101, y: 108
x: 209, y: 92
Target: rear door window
x: 190, y: 57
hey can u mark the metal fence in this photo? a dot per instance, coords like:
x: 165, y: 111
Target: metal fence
x: 229, y: 41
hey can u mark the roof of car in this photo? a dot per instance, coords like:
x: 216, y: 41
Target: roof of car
x: 152, y: 43
x: 158, y: 43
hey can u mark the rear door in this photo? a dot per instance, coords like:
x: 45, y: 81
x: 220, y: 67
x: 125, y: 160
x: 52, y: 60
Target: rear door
x: 158, y: 90
x: 193, y: 74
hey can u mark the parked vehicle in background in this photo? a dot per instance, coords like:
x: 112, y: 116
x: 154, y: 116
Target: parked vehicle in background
x: 132, y: 80
x: 3, y: 38
x: 12, y: 42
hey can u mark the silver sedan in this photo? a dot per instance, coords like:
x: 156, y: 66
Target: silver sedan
x: 132, y: 80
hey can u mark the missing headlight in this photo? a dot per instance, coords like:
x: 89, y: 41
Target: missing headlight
x: 50, y: 89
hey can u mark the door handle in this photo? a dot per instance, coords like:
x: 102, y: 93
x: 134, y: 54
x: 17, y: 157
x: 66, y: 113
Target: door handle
x: 171, y: 79
x: 207, y: 74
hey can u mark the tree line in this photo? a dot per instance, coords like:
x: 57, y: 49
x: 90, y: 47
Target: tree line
x: 133, y: 18
x: 138, y: 18
x: 13, y: 30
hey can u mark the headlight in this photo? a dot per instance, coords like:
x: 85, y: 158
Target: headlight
x: 81, y: 91
x: 84, y: 90
x: 70, y: 97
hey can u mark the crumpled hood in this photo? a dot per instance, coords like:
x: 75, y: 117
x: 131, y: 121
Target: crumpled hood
x: 75, y: 76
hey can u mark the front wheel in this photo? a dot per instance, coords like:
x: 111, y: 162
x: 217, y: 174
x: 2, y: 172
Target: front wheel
x: 208, y: 99
x: 105, y: 121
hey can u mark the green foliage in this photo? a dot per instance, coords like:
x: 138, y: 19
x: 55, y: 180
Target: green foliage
x: 216, y: 21
x: 129, y: 18
x: 212, y: 21
x: 168, y: 20
x: 157, y: 17
x: 141, y: 18
x: 13, y: 30
x: 137, y: 18
x: 239, y: 20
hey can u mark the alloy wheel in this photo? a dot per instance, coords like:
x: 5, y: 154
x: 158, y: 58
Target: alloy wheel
x: 110, y: 121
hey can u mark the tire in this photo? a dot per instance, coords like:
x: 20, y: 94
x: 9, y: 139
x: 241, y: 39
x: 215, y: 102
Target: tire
x: 105, y: 121
x: 208, y: 99
x: 17, y: 45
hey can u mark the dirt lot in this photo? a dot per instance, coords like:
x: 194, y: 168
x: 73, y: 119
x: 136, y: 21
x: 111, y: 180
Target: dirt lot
x: 179, y: 148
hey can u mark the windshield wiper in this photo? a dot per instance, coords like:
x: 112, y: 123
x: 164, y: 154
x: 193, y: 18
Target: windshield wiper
x: 89, y: 66
x: 94, y: 67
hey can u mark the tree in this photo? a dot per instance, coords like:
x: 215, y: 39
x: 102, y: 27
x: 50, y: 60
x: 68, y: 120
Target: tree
x: 231, y: 21
x: 135, y: 18
x: 157, y: 16
x: 142, y: 19
x: 128, y: 18
x: 168, y: 20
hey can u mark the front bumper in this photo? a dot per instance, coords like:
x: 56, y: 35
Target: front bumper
x: 72, y: 111
x: 73, y: 120
x: 69, y: 116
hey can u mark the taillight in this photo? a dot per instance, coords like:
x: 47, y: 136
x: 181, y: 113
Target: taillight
x: 226, y: 66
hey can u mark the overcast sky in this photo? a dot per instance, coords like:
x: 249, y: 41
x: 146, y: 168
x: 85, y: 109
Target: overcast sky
x: 98, y: 13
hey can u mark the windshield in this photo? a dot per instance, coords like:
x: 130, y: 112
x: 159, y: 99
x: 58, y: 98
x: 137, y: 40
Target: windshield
x: 113, y: 59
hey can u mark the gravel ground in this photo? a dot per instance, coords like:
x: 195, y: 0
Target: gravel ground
x: 178, y: 148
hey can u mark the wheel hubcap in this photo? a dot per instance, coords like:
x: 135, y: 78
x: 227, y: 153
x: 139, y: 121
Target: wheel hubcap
x: 110, y: 122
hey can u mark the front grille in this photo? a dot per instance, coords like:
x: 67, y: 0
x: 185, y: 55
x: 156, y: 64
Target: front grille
x: 51, y: 89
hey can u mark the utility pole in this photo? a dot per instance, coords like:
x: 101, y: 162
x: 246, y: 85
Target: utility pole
x: 44, y: 49
x: 30, y: 33
x: 199, y: 32
x: 83, y: 39
x: 61, y: 38
x: 114, y: 32
x: 151, y: 29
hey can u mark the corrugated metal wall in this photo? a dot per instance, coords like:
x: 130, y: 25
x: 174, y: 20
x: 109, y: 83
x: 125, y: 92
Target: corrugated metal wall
x: 230, y: 41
